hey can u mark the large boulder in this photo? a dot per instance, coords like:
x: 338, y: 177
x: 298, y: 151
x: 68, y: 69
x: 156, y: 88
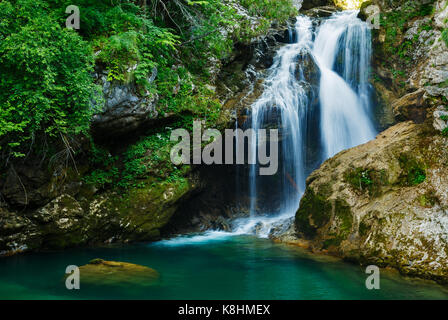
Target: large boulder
x: 139, y: 214
x: 384, y: 203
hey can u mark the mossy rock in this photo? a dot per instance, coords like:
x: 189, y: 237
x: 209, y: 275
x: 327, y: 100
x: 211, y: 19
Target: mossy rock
x: 113, y: 273
x: 366, y: 180
x: 414, y: 171
x: 314, y: 213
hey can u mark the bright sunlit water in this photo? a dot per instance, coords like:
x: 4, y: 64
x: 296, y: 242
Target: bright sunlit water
x: 216, y: 266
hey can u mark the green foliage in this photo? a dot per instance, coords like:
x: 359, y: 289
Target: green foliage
x: 445, y: 132
x: 414, y: 172
x: 149, y: 157
x: 369, y: 180
x: 445, y: 36
x: 45, y: 85
x: 106, y: 171
x: 281, y: 10
x: 395, y: 22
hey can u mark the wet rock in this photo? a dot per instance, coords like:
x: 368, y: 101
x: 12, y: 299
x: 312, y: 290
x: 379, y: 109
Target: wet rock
x: 17, y: 233
x: 61, y: 223
x: 58, y: 224
x: 136, y: 215
x: 113, y: 273
x: 307, y: 69
x: 382, y: 105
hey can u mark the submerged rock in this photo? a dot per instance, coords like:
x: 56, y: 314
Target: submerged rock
x: 383, y: 203
x: 101, y: 272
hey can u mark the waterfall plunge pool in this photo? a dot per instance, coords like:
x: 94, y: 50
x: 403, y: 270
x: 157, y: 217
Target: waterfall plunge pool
x: 214, y: 265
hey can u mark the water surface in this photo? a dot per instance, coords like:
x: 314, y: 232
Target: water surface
x: 217, y: 267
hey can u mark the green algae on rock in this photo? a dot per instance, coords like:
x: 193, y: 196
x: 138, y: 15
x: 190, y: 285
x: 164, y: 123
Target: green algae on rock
x: 112, y: 273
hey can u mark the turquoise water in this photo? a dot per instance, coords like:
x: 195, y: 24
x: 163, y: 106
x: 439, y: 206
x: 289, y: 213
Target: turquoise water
x: 230, y: 267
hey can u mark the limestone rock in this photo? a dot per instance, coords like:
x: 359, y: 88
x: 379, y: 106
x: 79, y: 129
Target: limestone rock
x: 439, y: 123
x: 113, y: 273
x: 411, y: 107
x: 383, y: 203
x: 441, y: 16
x: 124, y: 110
x: 58, y: 224
x: 17, y: 233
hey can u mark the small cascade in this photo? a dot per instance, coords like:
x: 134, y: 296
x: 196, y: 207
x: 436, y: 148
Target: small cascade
x: 345, y: 120
x: 283, y: 105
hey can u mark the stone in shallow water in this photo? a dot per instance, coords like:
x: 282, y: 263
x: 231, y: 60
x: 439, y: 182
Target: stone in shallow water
x: 101, y: 272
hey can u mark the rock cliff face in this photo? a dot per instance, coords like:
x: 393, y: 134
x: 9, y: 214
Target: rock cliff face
x: 384, y: 203
x: 410, y: 66
x: 88, y: 218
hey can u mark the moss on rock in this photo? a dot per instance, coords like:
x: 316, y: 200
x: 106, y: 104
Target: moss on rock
x: 113, y: 273
x: 313, y: 213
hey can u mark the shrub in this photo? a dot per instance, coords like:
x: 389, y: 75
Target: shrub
x: 45, y: 87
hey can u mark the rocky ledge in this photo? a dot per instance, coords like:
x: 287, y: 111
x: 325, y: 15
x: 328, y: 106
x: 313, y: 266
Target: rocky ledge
x: 382, y: 203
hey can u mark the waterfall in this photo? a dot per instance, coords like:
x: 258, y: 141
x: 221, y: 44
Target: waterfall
x: 344, y: 97
x: 283, y: 105
x: 317, y: 95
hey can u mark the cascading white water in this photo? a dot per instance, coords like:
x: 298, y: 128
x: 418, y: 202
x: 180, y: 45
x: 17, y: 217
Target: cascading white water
x: 283, y: 103
x: 344, y: 98
x: 317, y: 95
